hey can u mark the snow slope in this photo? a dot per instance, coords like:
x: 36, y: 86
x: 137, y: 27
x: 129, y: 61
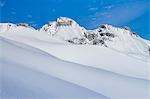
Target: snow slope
x: 103, y: 82
x: 126, y: 41
x: 81, y: 54
x: 20, y: 82
x: 85, y: 71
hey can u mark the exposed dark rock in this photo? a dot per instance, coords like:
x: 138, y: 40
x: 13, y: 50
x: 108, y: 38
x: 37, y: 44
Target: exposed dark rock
x: 110, y: 35
x: 103, y: 26
x: 102, y: 34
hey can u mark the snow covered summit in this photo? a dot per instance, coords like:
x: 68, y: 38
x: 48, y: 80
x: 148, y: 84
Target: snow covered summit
x: 64, y: 28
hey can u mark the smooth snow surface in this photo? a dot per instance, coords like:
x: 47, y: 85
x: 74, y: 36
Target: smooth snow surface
x: 103, y: 82
x: 39, y: 65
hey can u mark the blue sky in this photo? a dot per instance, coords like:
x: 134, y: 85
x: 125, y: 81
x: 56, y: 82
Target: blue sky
x: 88, y: 13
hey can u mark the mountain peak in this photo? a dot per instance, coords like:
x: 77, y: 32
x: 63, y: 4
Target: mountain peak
x: 64, y: 28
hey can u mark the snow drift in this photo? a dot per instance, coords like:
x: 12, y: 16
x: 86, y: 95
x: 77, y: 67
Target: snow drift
x: 108, y: 62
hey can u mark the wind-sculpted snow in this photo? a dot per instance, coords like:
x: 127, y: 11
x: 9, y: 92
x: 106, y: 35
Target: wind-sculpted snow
x: 95, y: 56
x: 20, y: 82
x: 22, y: 60
x: 65, y: 61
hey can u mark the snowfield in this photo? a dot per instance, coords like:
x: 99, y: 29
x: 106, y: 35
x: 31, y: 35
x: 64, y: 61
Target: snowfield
x: 44, y: 65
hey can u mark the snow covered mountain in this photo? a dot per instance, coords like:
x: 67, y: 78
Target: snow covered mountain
x: 115, y: 38
x: 106, y: 63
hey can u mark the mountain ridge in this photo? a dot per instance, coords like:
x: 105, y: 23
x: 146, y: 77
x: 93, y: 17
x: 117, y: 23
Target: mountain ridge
x: 67, y: 30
